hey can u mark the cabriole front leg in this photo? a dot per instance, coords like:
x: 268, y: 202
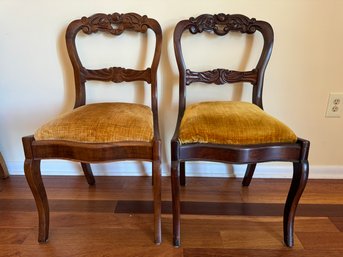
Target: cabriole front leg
x: 300, y: 176
x: 34, y: 179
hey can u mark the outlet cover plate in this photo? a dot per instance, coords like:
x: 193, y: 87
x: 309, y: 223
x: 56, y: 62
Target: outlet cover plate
x: 335, y: 105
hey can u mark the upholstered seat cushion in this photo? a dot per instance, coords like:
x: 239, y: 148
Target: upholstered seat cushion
x: 231, y: 123
x: 101, y: 123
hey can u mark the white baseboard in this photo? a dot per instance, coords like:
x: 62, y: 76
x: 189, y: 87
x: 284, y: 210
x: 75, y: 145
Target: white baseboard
x: 59, y: 167
x: 263, y: 170
x: 193, y: 169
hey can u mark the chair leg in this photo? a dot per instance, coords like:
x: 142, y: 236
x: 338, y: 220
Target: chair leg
x: 299, y: 180
x: 176, y: 202
x: 182, y: 173
x: 248, y: 174
x: 156, y: 166
x: 3, y: 168
x: 34, y: 179
x: 87, y: 170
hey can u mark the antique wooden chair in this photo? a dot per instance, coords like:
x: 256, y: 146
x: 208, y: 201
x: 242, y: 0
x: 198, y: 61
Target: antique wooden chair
x: 231, y: 131
x: 100, y: 132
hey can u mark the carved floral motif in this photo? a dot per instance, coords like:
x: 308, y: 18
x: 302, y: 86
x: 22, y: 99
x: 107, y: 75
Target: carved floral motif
x: 117, y: 74
x: 221, y: 24
x: 114, y: 23
x: 220, y: 76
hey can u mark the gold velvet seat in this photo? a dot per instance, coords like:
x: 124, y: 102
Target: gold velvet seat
x: 103, y: 131
x: 101, y: 123
x: 232, y: 123
x: 231, y: 132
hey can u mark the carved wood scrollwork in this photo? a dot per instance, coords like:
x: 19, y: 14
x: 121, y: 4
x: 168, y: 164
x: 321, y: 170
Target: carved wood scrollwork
x: 117, y: 75
x: 221, y: 76
x: 221, y: 24
x: 114, y: 23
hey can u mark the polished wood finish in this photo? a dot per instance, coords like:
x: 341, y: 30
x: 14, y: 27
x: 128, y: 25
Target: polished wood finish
x: 87, y: 171
x: 102, y: 220
x: 297, y: 153
x: 86, y: 153
x: 3, y: 168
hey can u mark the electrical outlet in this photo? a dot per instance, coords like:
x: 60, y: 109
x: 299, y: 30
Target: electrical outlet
x: 335, y: 105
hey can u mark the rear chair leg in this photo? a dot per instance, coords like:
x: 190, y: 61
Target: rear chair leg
x: 87, y: 170
x: 176, y: 202
x: 3, y: 168
x: 182, y: 173
x: 248, y: 174
x: 156, y: 165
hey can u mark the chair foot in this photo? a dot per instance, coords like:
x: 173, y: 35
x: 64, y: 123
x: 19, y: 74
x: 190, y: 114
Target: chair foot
x: 176, y: 243
x: 289, y: 241
x: 43, y: 240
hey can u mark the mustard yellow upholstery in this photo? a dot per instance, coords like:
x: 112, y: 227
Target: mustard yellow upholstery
x: 101, y: 123
x: 231, y: 123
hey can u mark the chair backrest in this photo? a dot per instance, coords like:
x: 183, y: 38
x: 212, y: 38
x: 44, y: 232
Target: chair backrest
x: 221, y: 24
x: 113, y: 24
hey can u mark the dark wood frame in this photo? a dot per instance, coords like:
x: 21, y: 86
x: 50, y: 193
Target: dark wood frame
x: 86, y: 153
x: 297, y: 152
x: 3, y: 168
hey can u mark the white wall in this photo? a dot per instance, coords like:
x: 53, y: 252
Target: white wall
x: 306, y: 65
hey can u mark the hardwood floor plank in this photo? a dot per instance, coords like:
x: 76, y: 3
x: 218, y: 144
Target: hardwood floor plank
x: 83, y: 236
x: 13, y: 236
x: 323, y: 240
x: 338, y: 221
x: 18, y: 219
x: 102, y: 220
x: 219, y: 252
x: 225, y: 208
x: 314, y: 224
x: 267, y: 238
x: 27, y: 205
x: 302, y: 224
x: 41, y: 250
x: 77, y: 219
x: 231, y: 190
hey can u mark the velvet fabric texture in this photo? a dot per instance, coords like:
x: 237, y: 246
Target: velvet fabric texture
x: 101, y: 123
x: 232, y: 123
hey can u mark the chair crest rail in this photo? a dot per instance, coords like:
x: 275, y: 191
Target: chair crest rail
x: 114, y: 23
x: 221, y: 23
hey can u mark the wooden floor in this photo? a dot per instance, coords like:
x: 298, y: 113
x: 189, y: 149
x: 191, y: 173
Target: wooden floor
x: 220, y: 218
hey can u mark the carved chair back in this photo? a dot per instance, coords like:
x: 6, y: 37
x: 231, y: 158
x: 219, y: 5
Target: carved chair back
x: 113, y: 24
x: 221, y: 25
